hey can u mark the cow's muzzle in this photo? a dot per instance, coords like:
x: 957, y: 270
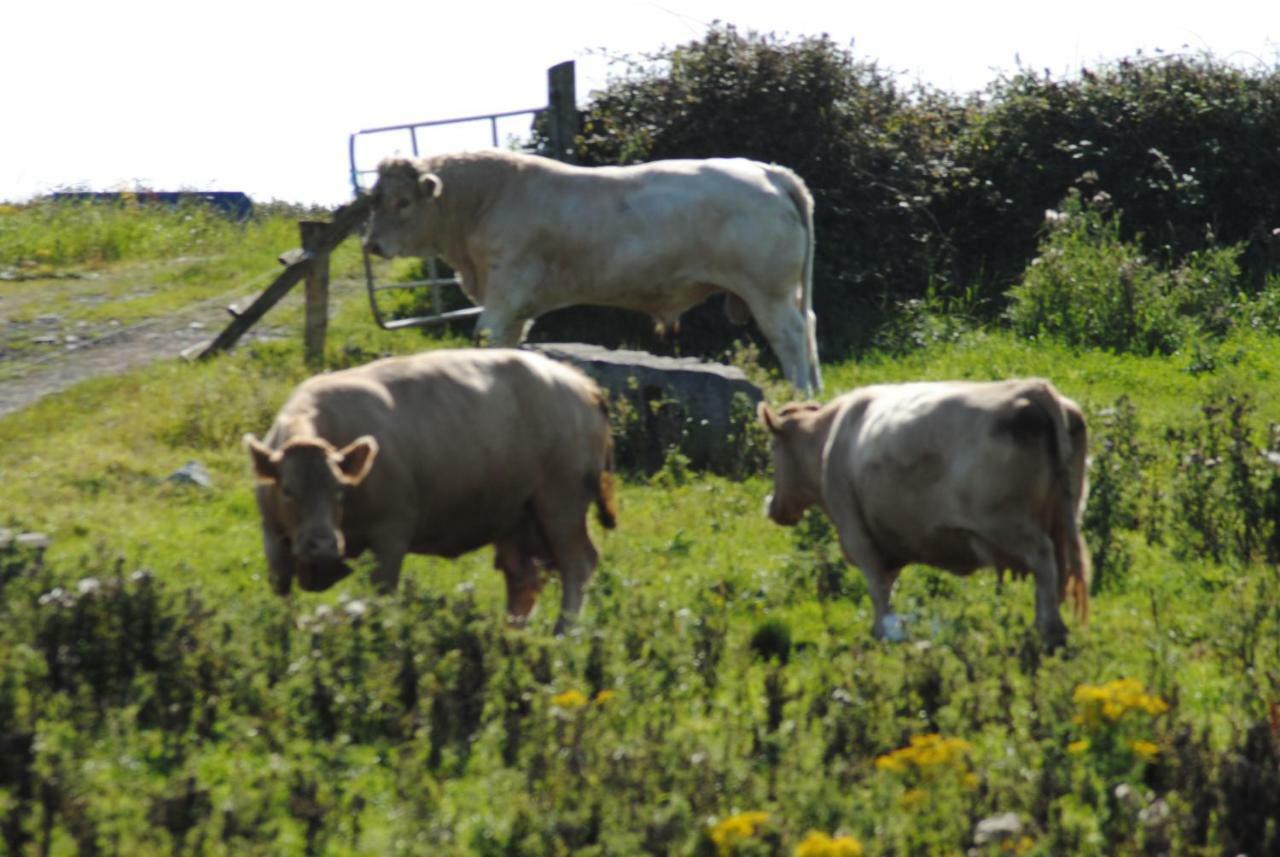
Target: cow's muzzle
x: 319, y: 575
x: 786, y: 517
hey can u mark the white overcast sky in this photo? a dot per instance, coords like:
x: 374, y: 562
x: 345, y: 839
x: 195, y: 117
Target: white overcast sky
x: 261, y: 96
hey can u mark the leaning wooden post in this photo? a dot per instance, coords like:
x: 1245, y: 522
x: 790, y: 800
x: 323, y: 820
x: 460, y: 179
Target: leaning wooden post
x: 562, y: 111
x: 317, y: 294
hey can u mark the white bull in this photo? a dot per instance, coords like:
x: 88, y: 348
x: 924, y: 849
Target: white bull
x: 528, y: 235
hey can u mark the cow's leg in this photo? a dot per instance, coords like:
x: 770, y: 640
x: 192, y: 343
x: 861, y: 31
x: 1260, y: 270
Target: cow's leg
x: 1034, y: 551
x: 279, y: 561
x: 880, y: 579
x: 783, y: 324
x: 389, y: 554
x: 563, y: 524
x: 576, y: 557
x: 524, y: 580
x: 861, y: 551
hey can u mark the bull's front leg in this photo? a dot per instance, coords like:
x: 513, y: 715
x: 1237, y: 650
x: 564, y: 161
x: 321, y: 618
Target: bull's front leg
x: 499, y: 328
x: 508, y: 289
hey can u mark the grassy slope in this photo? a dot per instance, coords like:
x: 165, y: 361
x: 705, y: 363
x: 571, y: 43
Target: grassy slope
x: 684, y: 582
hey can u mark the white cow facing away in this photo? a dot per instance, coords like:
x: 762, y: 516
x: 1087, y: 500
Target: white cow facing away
x: 528, y: 235
x: 958, y: 475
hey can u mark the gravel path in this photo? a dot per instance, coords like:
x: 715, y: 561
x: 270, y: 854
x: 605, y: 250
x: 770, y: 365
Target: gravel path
x: 28, y: 375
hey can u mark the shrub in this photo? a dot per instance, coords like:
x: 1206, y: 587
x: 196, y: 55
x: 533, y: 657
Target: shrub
x: 1184, y: 144
x: 1090, y: 288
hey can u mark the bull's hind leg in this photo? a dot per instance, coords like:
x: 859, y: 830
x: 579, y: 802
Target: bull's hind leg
x: 783, y: 324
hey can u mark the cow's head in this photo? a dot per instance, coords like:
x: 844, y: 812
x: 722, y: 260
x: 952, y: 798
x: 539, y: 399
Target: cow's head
x: 797, y: 460
x: 402, y: 208
x: 307, y: 478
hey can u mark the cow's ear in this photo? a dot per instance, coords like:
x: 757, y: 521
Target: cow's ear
x: 356, y: 459
x: 768, y: 418
x: 431, y: 184
x: 265, y: 461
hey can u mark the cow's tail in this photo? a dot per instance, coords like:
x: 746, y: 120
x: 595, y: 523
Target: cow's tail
x: 1067, y: 447
x: 602, y: 482
x: 803, y: 201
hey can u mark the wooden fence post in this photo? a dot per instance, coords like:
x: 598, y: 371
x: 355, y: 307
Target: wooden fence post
x: 562, y: 110
x: 317, y: 294
x: 346, y: 220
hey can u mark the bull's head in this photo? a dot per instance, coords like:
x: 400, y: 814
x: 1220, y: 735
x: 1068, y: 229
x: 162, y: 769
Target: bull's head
x: 402, y: 205
x: 797, y: 461
x: 307, y: 478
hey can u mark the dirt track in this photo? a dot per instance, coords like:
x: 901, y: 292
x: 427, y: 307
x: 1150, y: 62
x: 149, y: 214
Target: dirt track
x: 30, y: 374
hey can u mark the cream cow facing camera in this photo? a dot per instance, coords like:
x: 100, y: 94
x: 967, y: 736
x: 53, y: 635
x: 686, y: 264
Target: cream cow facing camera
x: 438, y: 453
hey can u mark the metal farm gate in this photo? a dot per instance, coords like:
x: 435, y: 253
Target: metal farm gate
x: 562, y: 125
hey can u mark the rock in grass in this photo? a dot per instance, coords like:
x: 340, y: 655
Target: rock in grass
x: 997, y: 828
x: 191, y: 473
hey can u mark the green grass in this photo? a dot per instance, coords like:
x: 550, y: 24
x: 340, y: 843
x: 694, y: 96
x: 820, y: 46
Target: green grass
x: 96, y: 263
x: 189, y: 709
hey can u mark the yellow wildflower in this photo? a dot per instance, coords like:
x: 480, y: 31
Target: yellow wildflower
x: 891, y: 762
x: 1075, y: 748
x: 1113, y: 700
x: 604, y: 696
x: 1024, y: 845
x: 912, y: 798
x: 925, y: 752
x: 569, y: 699
x: 728, y: 833
x: 818, y: 844
x: 1145, y: 749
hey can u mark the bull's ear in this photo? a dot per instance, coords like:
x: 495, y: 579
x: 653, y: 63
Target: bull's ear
x: 768, y: 418
x: 356, y: 459
x: 265, y: 461
x: 431, y: 184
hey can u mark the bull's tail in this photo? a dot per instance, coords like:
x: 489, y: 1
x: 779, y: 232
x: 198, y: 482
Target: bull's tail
x: 803, y: 201
x: 1067, y: 445
x: 603, y: 488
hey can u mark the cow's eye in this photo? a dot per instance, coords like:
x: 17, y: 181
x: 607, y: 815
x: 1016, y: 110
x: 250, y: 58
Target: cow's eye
x: 402, y: 204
